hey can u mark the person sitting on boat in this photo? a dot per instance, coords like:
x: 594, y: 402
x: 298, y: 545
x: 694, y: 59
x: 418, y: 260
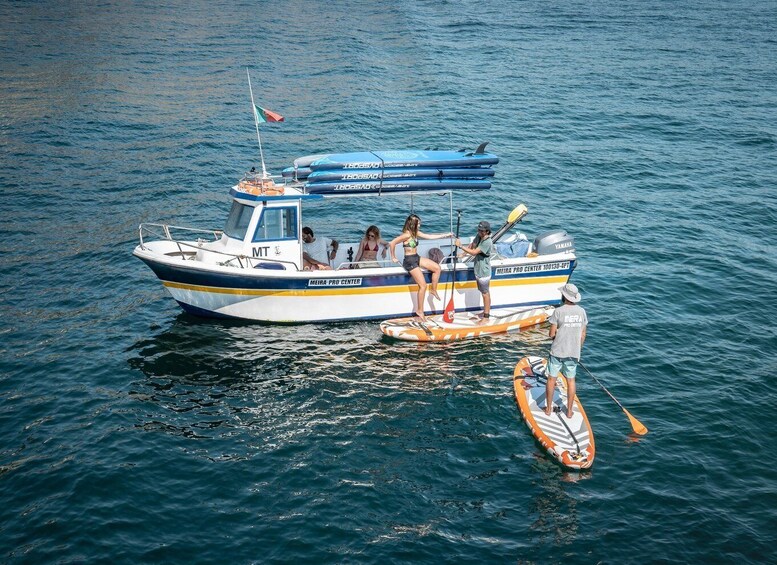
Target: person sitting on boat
x: 367, y: 256
x: 315, y: 251
x: 481, y: 248
x: 413, y: 263
x: 567, y: 330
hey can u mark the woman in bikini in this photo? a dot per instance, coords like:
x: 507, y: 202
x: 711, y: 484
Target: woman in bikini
x: 413, y: 263
x: 368, y: 249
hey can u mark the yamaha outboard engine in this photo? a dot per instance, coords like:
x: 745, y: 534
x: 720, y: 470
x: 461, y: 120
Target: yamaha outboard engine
x: 556, y: 241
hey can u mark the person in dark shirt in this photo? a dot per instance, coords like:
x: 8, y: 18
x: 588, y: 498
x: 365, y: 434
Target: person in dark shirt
x: 481, y: 248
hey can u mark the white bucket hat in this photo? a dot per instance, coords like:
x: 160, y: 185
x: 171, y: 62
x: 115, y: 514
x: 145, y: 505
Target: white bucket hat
x: 570, y: 292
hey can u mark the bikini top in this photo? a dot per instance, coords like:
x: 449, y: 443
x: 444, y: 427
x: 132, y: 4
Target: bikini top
x: 412, y: 243
x: 367, y: 247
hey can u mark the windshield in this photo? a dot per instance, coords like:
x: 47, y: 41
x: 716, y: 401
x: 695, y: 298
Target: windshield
x: 237, y: 223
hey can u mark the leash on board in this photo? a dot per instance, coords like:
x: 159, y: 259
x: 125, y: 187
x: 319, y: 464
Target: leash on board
x: 557, y: 410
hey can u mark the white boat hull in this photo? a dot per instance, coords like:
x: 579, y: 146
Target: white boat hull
x: 286, y: 296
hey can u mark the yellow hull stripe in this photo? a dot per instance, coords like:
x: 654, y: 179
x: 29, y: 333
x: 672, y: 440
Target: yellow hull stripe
x: 310, y: 292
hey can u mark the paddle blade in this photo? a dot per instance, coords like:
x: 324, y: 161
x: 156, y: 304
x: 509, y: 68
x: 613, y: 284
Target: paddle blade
x: 447, y: 316
x: 518, y: 212
x: 636, y: 425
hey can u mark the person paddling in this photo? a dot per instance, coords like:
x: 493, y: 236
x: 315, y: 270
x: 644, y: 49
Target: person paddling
x: 567, y: 330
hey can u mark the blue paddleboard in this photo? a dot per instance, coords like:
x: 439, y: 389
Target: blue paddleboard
x: 301, y: 168
x: 403, y: 158
x: 394, y: 185
x: 403, y: 173
x: 300, y: 173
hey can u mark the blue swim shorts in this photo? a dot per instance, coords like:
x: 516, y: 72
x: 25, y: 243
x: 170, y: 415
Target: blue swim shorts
x: 565, y: 365
x: 483, y: 284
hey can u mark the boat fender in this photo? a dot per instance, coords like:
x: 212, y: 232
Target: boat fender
x: 270, y: 266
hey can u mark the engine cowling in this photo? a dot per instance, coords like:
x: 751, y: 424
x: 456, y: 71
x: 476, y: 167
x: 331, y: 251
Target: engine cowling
x: 556, y: 241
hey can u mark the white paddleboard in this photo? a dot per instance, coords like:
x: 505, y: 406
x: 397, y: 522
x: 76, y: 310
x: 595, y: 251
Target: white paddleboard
x: 570, y: 441
x: 465, y: 325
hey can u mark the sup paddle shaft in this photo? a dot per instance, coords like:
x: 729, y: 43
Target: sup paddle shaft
x: 636, y: 425
x: 450, y: 308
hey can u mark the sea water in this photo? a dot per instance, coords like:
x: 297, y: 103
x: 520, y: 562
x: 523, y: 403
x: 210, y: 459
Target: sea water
x: 132, y: 432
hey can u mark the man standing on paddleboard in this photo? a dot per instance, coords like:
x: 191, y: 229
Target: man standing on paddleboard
x: 567, y: 330
x: 481, y: 247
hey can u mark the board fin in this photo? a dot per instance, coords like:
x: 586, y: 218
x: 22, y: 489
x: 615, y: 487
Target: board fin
x: 481, y: 148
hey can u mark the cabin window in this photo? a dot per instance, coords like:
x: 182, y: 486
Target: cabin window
x: 239, y: 218
x: 277, y: 223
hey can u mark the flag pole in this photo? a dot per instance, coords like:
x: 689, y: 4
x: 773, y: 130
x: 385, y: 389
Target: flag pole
x: 256, y: 123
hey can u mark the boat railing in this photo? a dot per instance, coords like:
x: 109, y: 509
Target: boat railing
x: 189, y: 249
x: 163, y: 231
x: 256, y: 176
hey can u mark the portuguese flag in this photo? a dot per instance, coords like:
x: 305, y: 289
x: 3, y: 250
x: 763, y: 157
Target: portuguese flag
x: 264, y: 116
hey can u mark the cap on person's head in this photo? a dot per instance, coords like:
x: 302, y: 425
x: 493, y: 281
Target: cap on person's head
x: 485, y: 226
x: 570, y: 292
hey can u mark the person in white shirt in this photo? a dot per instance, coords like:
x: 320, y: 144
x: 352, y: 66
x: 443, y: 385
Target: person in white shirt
x: 315, y: 251
x: 568, y: 325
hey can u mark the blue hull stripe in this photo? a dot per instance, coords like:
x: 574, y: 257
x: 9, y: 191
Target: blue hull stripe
x: 187, y: 276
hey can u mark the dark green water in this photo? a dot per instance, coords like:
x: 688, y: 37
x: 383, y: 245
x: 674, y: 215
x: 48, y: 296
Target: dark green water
x: 131, y: 432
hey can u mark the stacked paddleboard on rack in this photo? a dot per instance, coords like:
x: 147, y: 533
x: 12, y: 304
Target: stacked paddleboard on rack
x: 392, y: 171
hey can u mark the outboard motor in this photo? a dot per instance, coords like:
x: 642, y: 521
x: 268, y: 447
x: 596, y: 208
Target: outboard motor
x: 556, y: 241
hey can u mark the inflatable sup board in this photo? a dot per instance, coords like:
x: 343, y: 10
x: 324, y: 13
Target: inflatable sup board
x: 403, y: 173
x: 403, y: 158
x: 301, y: 168
x: 394, y: 185
x: 465, y: 325
x: 569, y: 441
x: 296, y: 173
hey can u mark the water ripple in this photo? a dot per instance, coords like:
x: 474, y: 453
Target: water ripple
x: 131, y: 430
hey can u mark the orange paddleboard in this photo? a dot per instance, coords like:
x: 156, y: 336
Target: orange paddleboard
x: 570, y: 441
x: 465, y: 325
